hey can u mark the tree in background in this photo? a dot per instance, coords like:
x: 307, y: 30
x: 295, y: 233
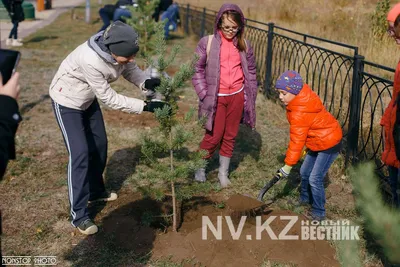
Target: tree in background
x: 379, y: 23
x: 144, y: 25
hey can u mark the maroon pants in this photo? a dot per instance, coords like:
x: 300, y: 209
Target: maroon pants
x: 226, y: 125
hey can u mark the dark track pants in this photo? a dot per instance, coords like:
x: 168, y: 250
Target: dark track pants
x: 86, y: 141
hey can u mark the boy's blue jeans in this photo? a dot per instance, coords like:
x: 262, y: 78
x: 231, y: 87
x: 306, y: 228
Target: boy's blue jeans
x: 394, y: 180
x: 313, y: 171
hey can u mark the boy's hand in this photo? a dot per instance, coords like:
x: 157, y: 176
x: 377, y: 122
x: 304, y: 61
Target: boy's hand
x: 152, y: 83
x: 304, y: 153
x: 151, y: 106
x: 284, y: 171
x: 149, y: 89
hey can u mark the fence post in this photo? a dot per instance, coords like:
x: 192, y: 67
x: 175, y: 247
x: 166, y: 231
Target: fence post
x: 355, y: 109
x: 87, y: 13
x: 268, y: 70
x: 187, y: 19
x: 203, y: 23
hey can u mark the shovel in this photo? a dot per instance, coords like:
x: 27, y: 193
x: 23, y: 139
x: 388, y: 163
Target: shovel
x: 276, y: 179
x: 267, y: 186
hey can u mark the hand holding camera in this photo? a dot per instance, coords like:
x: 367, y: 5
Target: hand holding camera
x: 11, y: 88
x: 9, y: 85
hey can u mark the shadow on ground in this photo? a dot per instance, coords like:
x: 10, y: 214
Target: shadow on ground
x: 294, y: 180
x: 248, y: 142
x: 120, y: 167
x: 27, y: 107
x: 125, y: 238
x: 38, y: 39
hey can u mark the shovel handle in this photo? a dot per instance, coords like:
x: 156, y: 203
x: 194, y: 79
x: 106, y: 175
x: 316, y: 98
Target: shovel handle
x: 267, y: 187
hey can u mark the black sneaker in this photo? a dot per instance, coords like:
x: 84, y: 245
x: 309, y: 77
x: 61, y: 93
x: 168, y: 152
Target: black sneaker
x: 87, y: 227
x: 105, y: 196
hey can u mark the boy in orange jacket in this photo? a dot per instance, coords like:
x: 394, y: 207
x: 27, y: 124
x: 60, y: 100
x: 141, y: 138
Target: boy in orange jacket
x: 312, y: 126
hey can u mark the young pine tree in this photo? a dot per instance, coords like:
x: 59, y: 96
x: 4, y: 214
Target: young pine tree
x: 380, y: 220
x: 169, y: 162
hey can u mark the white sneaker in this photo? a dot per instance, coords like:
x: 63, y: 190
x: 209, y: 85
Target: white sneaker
x: 105, y: 196
x: 15, y: 42
x: 8, y: 41
x: 88, y: 227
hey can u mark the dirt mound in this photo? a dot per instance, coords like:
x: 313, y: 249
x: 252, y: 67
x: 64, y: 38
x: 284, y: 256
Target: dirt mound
x: 245, y: 248
x: 127, y: 235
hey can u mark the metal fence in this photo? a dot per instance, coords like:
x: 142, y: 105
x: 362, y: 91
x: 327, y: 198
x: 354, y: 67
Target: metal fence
x: 354, y: 90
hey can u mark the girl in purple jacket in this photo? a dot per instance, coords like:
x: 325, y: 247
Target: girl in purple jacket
x: 225, y: 82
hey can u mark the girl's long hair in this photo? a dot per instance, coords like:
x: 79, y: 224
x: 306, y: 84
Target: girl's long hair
x: 235, y: 16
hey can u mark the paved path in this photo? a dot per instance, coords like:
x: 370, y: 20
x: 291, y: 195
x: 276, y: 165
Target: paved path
x: 43, y: 18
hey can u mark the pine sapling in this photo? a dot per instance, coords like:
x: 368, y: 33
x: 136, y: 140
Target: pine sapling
x: 168, y: 160
x: 380, y: 220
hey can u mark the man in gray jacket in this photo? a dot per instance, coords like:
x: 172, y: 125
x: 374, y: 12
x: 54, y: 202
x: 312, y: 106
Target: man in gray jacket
x: 82, y: 79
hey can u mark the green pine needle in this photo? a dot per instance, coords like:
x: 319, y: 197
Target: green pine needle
x: 380, y: 220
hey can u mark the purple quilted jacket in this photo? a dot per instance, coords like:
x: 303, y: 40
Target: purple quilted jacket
x: 207, y: 76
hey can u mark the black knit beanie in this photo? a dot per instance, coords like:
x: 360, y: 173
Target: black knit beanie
x: 121, y: 39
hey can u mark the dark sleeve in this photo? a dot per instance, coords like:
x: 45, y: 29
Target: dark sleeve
x: 7, y: 5
x: 156, y: 14
x: 9, y: 120
x: 396, y: 129
x: 164, y: 4
x: 124, y: 3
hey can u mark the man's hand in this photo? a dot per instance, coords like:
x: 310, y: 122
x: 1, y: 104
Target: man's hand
x: 152, y: 105
x: 284, y: 171
x: 152, y: 83
x: 11, y: 88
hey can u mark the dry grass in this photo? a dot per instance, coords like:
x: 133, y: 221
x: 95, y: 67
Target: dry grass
x: 346, y: 21
x: 341, y: 20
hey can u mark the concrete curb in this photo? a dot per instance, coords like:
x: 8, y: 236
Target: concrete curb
x: 26, y: 28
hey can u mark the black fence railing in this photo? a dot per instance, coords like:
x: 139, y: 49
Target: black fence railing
x: 355, y: 91
x: 375, y: 95
x: 328, y: 72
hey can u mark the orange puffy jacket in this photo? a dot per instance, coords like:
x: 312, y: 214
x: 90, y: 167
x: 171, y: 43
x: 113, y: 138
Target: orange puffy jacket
x: 311, y: 125
x: 388, y: 120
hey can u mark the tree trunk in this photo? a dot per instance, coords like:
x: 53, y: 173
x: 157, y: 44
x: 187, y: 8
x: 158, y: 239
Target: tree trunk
x: 173, y: 207
x: 171, y: 154
x: 178, y: 204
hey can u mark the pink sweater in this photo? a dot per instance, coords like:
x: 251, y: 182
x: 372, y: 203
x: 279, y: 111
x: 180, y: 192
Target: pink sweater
x: 232, y: 78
